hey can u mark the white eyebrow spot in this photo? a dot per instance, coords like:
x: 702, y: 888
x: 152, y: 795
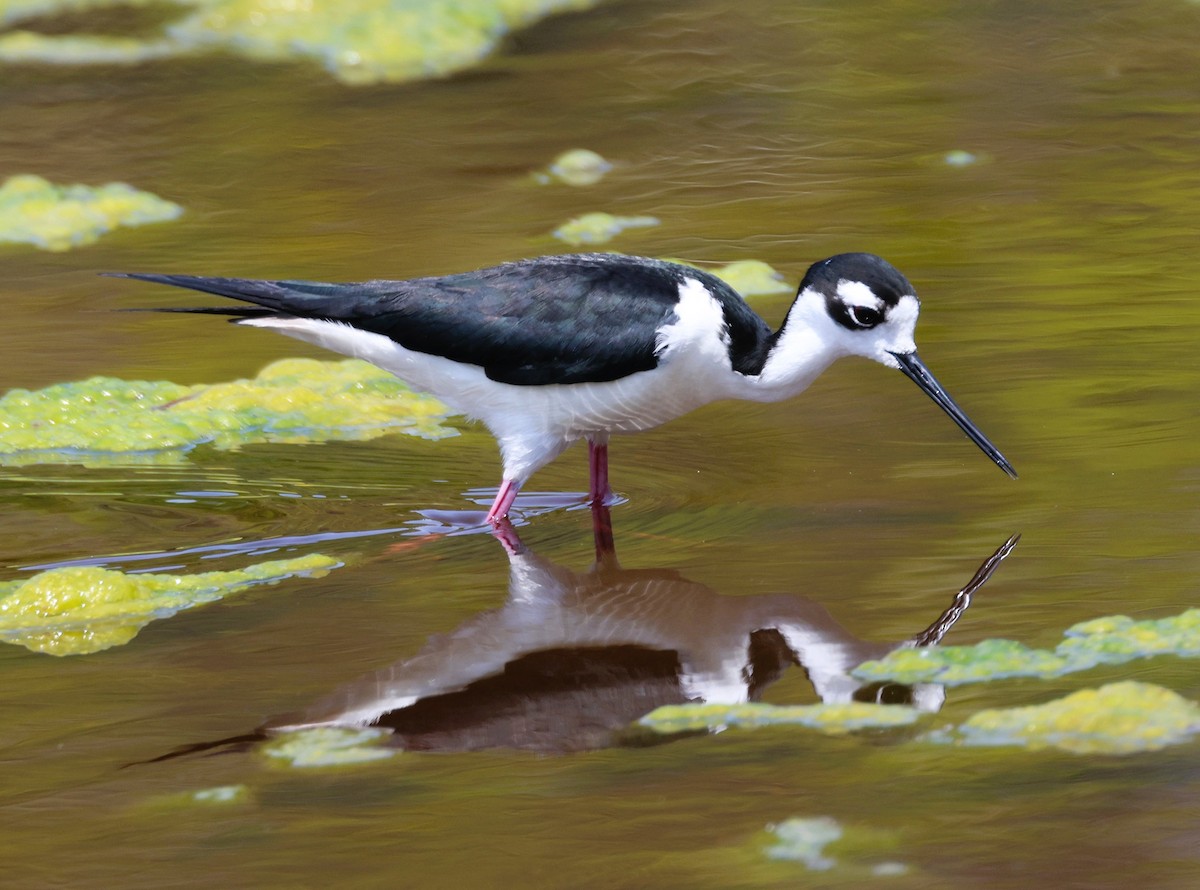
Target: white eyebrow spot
x: 855, y: 293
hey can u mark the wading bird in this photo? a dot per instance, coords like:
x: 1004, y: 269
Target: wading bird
x: 550, y: 350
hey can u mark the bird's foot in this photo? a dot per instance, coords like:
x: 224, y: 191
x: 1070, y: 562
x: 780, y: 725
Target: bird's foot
x: 521, y: 509
x: 606, y: 498
x: 531, y: 503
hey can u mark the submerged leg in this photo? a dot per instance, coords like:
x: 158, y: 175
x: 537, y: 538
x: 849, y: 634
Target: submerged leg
x: 598, y: 488
x: 504, y: 499
x: 504, y: 532
x: 602, y: 534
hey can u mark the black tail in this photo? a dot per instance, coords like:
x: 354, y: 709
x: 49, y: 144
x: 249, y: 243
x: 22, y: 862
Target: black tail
x: 270, y: 295
x: 220, y: 746
x: 238, y: 312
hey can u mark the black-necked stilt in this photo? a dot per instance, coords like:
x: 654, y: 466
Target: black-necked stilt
x: 550, y: 350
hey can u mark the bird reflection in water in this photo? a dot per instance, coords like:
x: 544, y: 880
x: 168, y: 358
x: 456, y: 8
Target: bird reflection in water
x: 573, y: 658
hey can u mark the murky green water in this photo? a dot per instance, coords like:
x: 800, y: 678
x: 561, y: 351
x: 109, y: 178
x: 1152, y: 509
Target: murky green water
x: 1058, y: 272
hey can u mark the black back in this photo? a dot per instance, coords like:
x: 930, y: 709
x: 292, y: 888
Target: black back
x: 560, y: 319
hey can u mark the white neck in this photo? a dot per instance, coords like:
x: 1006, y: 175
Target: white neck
x: 806, y: 346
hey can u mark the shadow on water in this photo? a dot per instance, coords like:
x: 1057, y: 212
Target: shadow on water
x: 573, y: 658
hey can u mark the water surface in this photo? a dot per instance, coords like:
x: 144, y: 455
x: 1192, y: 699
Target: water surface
x: 1057, y: 270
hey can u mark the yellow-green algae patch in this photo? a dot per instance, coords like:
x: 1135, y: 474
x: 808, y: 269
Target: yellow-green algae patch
x: 357, y: 41
x: 832, y: 719
x: 956, y: 665
x: 959, y: 157
x: 578, y: 167
x: 79, y: 610
x: 29, y: 47
x: 752, y: 278
x: 17, y: 10
x: 329, y: 746
x: 599, y: 227
x: 1120, y: 718
x: 821, y: 843
x: 104, y: 419
x: 804, y: 840
x: 59, y: 217
x: 1118, y: 638
x: 1113, y: 639
x: 221, y: 794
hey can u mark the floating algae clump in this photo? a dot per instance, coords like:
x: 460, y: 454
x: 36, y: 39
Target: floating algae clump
x: 12, y: 11
x: 861, y: 850
x: 329, y: 746
x: 78, y: 610
x: 104, y: 419
x: 579, y: 166
x: 804, y: 840
x: 833, y: 719
x: 1120, y: 718
x: 358, y: 41
x: 55, y: 217
x: 1114, y: 639
x: 221, y: 794
x: 752, y: 278
x: 1117, y: 638
x: 29, y: 46
x: 597, y: 228
x: 956, y: 665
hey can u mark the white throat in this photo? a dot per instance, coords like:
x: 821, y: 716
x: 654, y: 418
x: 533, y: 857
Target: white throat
x: 806, y: 346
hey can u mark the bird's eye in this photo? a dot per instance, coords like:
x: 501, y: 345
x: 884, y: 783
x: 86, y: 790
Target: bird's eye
x: 864, y: 316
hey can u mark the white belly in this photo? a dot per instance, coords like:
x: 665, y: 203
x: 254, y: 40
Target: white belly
x: 532, y: 423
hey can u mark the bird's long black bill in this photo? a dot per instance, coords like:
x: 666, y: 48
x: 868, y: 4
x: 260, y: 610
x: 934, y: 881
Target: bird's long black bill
x: 915, y: 370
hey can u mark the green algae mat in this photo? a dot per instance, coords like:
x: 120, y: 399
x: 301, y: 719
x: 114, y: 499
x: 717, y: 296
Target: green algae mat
x: 356, y: 41
x: 105, y: 420
x: 53, y: 217
x: 831, y: 719
x: 328, y: 746
x: 78, y: 611
x: 1117, y: 718
x: 1113, y: 639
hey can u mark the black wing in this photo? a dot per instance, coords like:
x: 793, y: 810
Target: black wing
x: 560, y: 319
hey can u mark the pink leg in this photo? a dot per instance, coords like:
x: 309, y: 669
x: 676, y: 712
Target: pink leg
x: 599, y: 491
x: 602, y: 533
x: 504, y: 499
